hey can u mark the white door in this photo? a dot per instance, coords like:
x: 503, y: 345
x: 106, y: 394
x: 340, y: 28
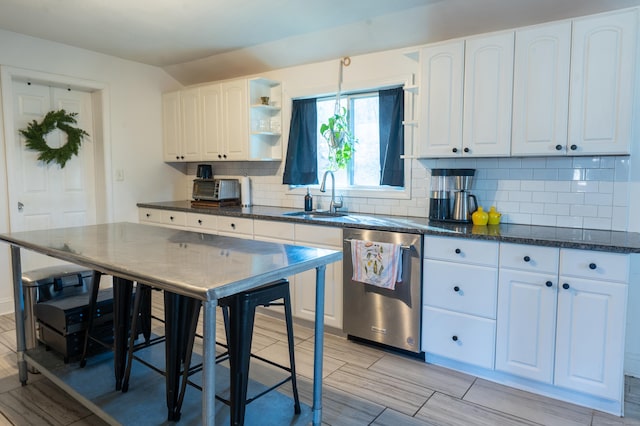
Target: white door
x: 541, y: 90
x: 590, y: 337
x: 526, y: 325
x: 441, y: 76
x: 44, y: 195
x: 488, y: 89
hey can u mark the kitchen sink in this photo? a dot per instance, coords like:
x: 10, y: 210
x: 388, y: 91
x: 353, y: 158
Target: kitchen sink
x: 316, y: 214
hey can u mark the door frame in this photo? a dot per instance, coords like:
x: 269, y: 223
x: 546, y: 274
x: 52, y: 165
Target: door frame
x: 100, y: 135
x: 102, y: 156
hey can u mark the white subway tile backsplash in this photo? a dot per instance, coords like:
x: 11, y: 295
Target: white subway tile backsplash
x: 551, y: 191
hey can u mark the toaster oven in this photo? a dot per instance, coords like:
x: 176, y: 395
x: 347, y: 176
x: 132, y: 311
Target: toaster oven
x: 216, y: 189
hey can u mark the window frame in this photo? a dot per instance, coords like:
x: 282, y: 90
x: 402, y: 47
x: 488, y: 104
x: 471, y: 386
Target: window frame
x: 385, y: 192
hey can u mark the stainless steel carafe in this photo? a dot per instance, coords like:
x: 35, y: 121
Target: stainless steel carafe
x: 462, y: 208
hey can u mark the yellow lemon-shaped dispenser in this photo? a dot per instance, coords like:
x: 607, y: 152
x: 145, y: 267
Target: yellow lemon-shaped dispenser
x: 494, y: 216
x: 480, y: 217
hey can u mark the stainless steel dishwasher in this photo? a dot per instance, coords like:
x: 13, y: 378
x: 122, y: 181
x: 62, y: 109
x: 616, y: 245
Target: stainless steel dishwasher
x: 388, y: 317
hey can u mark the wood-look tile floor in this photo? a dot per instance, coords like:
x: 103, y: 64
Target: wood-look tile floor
x: 363, y: 385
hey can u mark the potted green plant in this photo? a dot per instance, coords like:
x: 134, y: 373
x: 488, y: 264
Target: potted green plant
x: 341, y: 141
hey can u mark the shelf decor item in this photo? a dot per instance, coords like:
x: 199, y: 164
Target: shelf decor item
x: 35, y: 137
x: 337, y: 132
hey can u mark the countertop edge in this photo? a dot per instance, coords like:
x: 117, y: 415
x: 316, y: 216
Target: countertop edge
x: 572, y: 238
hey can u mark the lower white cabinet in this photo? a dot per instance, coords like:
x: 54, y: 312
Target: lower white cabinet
x: 590, y: 337
x: 563, y: 322
x: 305, y: 289
x: 526, y: 325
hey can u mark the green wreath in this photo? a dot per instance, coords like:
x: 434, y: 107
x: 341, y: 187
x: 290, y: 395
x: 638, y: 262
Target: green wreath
x: 35, y: 137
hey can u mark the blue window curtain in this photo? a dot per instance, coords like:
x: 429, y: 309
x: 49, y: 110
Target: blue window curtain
x: 301, y: 165
x: 391, y: 104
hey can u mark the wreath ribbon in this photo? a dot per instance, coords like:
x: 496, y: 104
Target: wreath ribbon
x: 35, y: 137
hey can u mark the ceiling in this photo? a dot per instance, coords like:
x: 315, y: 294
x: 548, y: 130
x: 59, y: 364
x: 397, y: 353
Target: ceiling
x: 204, y: 40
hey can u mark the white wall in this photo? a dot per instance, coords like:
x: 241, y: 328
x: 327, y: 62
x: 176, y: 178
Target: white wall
x: 134, y: 93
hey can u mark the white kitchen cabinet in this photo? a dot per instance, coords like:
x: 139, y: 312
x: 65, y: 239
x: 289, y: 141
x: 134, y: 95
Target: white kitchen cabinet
x: 526, y: 324
x: 563, y: 326
x: 271, y: 230
x: 541, y: 90
x: 235, y: 120
x: 204, y: 223
x: 239, y: 227
x: 152, y: 216
x: 441, y: 79
x: 488, y: 89
x: 592, y: 301
x: 212, y: 119
x: 459, y: 299
x: 181, y: 126
x: 603, y: 77
x: 305, y: 289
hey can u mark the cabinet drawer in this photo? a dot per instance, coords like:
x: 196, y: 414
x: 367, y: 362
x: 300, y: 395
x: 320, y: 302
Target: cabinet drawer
x: 149, y: 215
x: 204, y: 222
x: 595, y: 265
x: 462, y: 288
x: 326, y: 235
x: 460, y: 337
x: 174, y: 218
x: 235, y: 225
x: 461, y: 250
x: 273, y: 229
x: 529, y: 258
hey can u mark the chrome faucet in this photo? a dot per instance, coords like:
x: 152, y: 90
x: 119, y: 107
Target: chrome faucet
x: 335, y: 205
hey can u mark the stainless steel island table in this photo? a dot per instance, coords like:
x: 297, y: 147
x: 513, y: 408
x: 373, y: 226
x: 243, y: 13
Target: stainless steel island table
x: 201, y: 266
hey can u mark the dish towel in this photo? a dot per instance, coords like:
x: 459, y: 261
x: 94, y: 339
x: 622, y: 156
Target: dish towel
x: 378, y: 264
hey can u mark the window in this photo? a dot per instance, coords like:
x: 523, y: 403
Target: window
x: 375, y: 119
x: 364, y: 169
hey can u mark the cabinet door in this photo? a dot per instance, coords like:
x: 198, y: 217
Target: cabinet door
x: 235, y: 106
x: 526, y: 324
x: 441, y: 76
x: 590, y: 337
x: 488, y: 89
x: 541, y: 90
x: 190, y: 124
x: 171, y: 130
x: 211, y: 105
x: 602, y: 82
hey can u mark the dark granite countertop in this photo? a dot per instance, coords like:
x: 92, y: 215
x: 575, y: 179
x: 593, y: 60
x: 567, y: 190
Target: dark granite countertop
x: 586, y: 239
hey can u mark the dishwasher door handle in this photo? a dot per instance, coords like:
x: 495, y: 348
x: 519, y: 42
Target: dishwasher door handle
x: 347, y: 240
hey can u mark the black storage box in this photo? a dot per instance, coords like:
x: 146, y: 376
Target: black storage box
x: 63, y: 322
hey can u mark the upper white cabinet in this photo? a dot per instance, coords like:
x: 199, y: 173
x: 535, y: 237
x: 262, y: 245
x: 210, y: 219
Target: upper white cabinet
x: 564, y: 88
x: 466, y: 97
x: 602, y: 83
x: 488, y: 88
x: 541, y: 90
x: 181, y: 126
x: 211, y: 122
x: 442, y: 77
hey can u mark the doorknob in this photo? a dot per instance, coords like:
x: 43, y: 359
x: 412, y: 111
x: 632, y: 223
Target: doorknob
x: 20, y: 206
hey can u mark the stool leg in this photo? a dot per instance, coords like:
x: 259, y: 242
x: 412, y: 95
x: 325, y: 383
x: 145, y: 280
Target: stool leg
x: 145, y: 312
x: 292, y: 362
x: 241, y: 321
x: 122, y: 291
x: 193, y: 312
x: 140, y: 294
x: 93, y: 301
x: 172, y: 352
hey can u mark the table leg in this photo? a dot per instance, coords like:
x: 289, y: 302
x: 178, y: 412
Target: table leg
x: 209, y: 363
x: 18, y: 300
x: 318, y: 346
